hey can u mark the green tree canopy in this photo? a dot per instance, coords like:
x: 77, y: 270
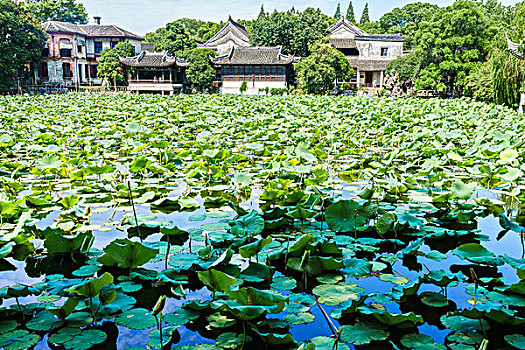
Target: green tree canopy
x: 199, y: 71
x: 295, y: 31
x: 57, y: 10
x: 365, y: 17
x: 337, y: 14
x: 406, y: 20
x: 21, y: 41
x: 317, y: 72
x: 199, y: 30
x: 124, y: 49
x: 450, y: 45
x: 109, y: 66
x: 350, y: 15
x: 172, y: 38
x: 262, y: 13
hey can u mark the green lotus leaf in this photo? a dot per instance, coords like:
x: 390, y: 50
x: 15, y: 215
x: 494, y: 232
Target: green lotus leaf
x: 136, y: 319
x: 218, y: 320
x: 391, y: 319
x: 460, y: 341
x: 18, y: 340
x: 516, y: 340
x: 335, y: 294
x: 180, y: 317
x: 385, y: 223
x: 250, y: 224
x: 476, y: 253
x: 7, y: 326
x: 399, y: 280
x: 344, y: 216
x: 508, y: 156
x: 254, y: 248
x: 283, y: 283
x: 463, y: 324
x: 126, y: 254
x: 86, y: 270
x: 507, y: 224
x: 461, y: 190
x: 92, y: 288
x: 433, y: 299
x: 50, y: 161
x: 421, y: 342
x: 327, y: 343
x: 363, y: 333
x: 357, y: 267
x: 299, y: 318
x: 330, y: 278
x: 76, y: 339
x: 231, y: 340
x: 155, y: 338
x: 216, y: 280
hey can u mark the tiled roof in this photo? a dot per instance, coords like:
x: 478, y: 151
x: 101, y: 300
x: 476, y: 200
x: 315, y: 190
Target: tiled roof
x: 380, y: 37
x: 231, y: 31
x: 343, y: 43
x: 91, y: 30
x: 368, y: 65
x: 258, y: 55
x: 148, y: 59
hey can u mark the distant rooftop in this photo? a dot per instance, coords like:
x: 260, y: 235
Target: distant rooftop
x: 257, y: 55
x: 147, y: 59
x: 89, y: 30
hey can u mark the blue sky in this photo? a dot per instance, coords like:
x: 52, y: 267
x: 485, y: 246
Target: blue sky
x: 142, y: 16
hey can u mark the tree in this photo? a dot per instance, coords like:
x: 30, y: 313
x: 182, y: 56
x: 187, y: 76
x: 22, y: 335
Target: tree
x: 244, y: 87
x: 199, y: 30
x: 317, y: 72
x: 22, y: 41
x: 337, y: 14
x: 295, y: 31
x: 199, y: 71
x: 109, y: 66
x: 450, y: 45
x: 365, y: 17
x: 407, y: 67
x: 406, y: 20
x: 172, y: 38
x: 262, y: 14
x: 350, y: 15
x: 124, y: 49
x: 57, y: 10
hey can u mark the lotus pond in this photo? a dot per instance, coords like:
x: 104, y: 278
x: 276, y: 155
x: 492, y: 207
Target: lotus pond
x: 232, y: 222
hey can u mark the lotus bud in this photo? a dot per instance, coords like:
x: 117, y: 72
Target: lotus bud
x: 159, y: 306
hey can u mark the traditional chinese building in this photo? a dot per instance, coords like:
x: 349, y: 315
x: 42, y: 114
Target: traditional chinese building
x: 368, y: 54
x: 72, y: 51
x: 154, y: 72
x: 231, y: 35
x: 259, y: 67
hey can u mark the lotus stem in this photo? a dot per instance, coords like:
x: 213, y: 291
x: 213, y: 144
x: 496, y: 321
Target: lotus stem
x: 134, y: 211
x: 484, y: 345
x: 20, y: 309
x: 332, y: 326
x: 167, y: 254
x: 334, y: 347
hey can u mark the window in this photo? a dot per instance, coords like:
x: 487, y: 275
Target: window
x: 65, y: 53
x: 66, y: 70
x: 43, y: 73
x: 93, y: 71
x: 384, y: 51
x: 45, y: 52
x: 98, y: 46
x: 79, y: 48
x: 113, y: 44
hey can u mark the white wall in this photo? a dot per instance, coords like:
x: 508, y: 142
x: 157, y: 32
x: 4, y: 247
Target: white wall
x: 254, y: 88
x: 372, y: 49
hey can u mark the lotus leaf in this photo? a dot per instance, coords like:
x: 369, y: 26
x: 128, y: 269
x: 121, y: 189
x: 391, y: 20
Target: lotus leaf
x: 335, y: 294
x: 363, y: 333
x: 136, y: 319
x: 421, y: 342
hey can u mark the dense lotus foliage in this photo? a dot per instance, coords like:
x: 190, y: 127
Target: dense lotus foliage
x: 209, y: 222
